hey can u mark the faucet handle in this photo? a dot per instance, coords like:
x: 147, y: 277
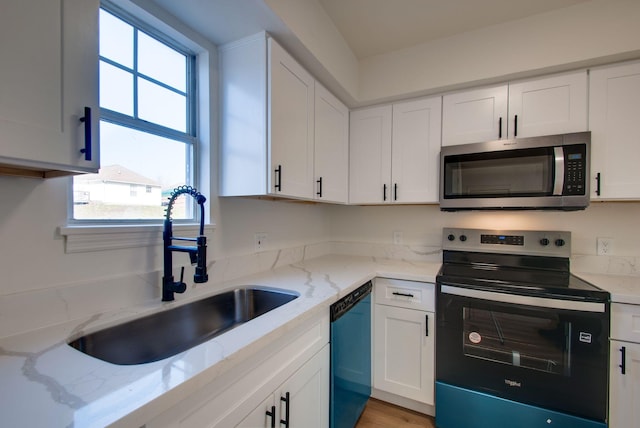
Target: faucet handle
x: 182, y: 275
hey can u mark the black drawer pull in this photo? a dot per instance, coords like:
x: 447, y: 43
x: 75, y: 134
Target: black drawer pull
x: 598, y: 184
x: 278, y: 185
x: 285, y: 421
x: 86, y: 119
x: 396, y: 293
x: 426, y: 322
x: 623, y: 365
x: 272, y: 415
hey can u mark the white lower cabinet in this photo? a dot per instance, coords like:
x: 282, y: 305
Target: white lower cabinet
x: 404, y: 345
x: 302, y: 401
x: 624, y: 388
x: 624, y: 367
x: 287, y: 381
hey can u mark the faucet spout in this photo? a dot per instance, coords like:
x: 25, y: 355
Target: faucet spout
x: 197, y: 253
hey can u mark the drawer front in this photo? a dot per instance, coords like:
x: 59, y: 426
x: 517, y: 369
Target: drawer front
x: 405, y: 294
x: 625, y: 322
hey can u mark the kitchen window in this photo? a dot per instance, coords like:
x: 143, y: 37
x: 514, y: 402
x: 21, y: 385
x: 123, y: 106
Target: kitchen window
x: 147, y: 126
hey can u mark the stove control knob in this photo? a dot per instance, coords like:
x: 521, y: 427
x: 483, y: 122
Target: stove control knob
x: 559, y: 242
x: 451, y: 237
x: 463, y: 238
x: 544, y: 242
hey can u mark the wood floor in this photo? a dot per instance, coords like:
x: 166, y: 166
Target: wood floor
x: 379, y: 414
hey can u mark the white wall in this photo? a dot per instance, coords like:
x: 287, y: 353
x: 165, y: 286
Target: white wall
x: 585, y: 34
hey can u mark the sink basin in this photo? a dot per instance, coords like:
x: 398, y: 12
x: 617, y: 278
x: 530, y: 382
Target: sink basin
x: 170, y: 332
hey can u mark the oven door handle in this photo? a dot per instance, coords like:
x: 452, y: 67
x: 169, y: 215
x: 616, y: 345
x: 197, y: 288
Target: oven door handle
x: 517, y: 299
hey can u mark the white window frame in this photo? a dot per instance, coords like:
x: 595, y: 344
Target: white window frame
x: 96, y: 235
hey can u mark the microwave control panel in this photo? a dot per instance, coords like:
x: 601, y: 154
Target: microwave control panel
x: 575, y: 165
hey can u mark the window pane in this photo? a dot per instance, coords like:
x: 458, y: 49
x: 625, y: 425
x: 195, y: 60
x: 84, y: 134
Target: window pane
x: 160, y: 62
x: 116, y: 89
x: 162, y: 106
x: 138, y: 172
x: 116, y: 39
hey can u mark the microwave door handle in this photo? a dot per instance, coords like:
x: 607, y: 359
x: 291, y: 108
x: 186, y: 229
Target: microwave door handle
x: 558, y: 181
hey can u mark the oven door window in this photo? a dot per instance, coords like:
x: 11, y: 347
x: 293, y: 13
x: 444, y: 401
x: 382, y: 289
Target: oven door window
x: 532, y: 342
x: 509, y: 173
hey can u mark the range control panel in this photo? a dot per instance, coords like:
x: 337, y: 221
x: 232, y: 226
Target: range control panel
x: 529, y: 242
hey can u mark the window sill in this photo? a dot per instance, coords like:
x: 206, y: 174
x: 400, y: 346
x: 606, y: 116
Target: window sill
x: 80, y: 239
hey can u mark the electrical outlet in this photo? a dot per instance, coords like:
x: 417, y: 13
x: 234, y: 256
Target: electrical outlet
x: 260, y: 241
x: 604, y: 246
x: 397, y: 238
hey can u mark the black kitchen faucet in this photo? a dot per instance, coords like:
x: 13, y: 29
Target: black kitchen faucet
x: 197, y: 253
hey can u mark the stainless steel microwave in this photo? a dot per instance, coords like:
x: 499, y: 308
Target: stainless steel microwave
x: 549, y: 172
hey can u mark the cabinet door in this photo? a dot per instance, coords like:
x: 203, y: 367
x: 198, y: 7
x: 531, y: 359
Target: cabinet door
x: 291, y: 121
x: 261, y: 416
x: 474, y: 116
x: 614, y: 112
x: 415, y: 154
x: 624, y: 389
x: 49, y: 51
x: 547, y: 106
x: 404, y: 352
x: 308, y: 394
x: 331, y: 147
x: 370, y: 155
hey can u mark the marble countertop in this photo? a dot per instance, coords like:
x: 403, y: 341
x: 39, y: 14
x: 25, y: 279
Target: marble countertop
x: 47, y: 383
x: 623, y: 289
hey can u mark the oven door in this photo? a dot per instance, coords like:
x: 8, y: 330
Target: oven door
x: 544, y: 352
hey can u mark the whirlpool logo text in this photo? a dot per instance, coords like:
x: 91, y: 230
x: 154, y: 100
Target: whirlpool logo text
x: 512, y: 383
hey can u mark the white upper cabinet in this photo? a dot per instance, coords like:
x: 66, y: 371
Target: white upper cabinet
x: 614, y: 114
x: 331, y: 142
x: 544, y: 106
x: 290, y: 113
x: 49, y: 74
x: 370, y: 155
x: 394, y: 152
x: 549, y: 105
x: 416, y: 151
x: 268, y: 126
x: 474, y: 116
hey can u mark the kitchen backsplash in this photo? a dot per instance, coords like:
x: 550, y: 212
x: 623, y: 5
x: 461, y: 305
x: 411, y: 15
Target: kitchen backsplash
x: 130, y: 294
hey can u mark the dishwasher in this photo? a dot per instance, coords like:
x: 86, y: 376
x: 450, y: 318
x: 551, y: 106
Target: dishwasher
x: 350, y: 357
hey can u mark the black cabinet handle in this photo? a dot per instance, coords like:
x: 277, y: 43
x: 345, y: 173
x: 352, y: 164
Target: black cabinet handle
x: 86, y: 119
x: 598, y: 184
x: 500, y: 127
x: 285, y: 421
x: 272, y: 415
x: 395, y: 191
x: 396, y: 293
x: 515, y: 126
x: 623, y: 365
x: 319, y: 192
x: 278, y: 185
x: 426, y: 323
x: 384, y: 192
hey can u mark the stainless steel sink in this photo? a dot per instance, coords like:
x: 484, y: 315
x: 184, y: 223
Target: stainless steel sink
x: 170, y: 332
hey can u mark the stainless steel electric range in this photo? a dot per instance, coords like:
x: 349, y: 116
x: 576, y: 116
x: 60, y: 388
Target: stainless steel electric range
x: 520, y: 341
